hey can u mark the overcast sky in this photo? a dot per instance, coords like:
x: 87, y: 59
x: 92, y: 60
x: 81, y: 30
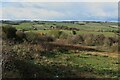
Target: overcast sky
x: 39, y: 10
x: 59, y: 0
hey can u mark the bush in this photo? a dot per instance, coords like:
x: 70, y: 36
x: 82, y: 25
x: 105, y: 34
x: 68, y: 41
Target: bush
x: 46, y: 38
x: 64, y: 35
x: 75, y: 39
x: 55, y: 33
x: 20, y: 35
x: 37, y: 38
x: 9, y: 32
x: 88, y: 39
x: 62, y: 41
x: 107, y: 42
x: 114, y: 47
x: 81, y: 39
x: 99, y: 39
x: 4, y: 35
x: 74, y: 32
x: 31, y: 36
x: 63, y: 50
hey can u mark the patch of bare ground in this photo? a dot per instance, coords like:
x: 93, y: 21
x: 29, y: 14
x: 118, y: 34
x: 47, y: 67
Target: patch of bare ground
x: 110, y: 54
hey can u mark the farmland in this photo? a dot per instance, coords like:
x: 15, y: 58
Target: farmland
x: 89, y: 26
x: 83, y: 49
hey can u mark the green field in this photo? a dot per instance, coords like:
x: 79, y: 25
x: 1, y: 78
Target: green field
x: 81, y: 64
x: 87, y: 28
x: 60, y: 49
x: 78, y: 32
x: 85, y: 63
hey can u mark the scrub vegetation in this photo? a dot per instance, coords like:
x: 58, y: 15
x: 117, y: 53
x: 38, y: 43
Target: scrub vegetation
x: 44, y: 49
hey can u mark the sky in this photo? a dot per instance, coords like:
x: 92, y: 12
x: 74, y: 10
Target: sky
x: 59, y: 0
x: 59, y: 10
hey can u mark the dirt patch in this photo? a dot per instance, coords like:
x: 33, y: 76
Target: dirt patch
x: 113, y: 55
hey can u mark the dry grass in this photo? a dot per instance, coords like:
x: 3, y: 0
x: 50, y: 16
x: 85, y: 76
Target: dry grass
x: 113, y: 55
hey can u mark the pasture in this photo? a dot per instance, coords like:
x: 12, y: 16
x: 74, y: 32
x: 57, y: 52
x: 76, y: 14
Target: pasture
x: 51, y: 49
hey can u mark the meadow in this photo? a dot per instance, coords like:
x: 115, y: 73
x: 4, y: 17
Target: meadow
x: 51, y: 49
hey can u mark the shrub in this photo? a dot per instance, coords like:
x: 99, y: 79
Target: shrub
x: 31, y: 36
x: 46, y: 38
x: 62, y: 41
x: 9, y: 32
x: 37, y: 38
x: 64, y: 35
x: 74, y: 32
x: 81, y: 39
x: 114, y: 47
x: 74, y: 39
x: 55, y: 33
x: 20, y: 35
x: 107, y: 42
x: 63, y: 50
x: 88, y: 39
x: 3, y: 35
x: 99, y: 39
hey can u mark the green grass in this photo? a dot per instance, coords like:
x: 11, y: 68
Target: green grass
x: 88, y: 26
x: 31, y: 59
x: 92, y: 65
x: 68, y: 64
x: 96, y: 33
x: 108, y: 34
x: 26, y: 26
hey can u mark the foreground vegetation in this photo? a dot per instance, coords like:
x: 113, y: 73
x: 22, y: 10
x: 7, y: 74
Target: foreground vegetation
x: 29, y: 60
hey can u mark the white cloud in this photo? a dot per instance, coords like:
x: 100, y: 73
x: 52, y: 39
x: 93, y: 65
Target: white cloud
x: 30, y: 13
x: 98, y: 10
x: 60, y: 11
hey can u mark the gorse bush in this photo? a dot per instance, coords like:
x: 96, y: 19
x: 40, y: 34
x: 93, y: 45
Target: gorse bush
x: 63, y: 35
x: 37, y: 38
x: 62, y: 41
x: 107, y: 42
x: 88, y: 39
x: 74, y: 32
x: 81, y: 39
x: 31, y: 36
x: 20, y: 35
x: 75, y: 39
x: 55, y: 33
x: 99, y: 39
x: 9, y: 32
x: 114, y: 47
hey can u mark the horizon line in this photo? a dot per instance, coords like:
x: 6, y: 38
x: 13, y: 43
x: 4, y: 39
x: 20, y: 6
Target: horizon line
x: 60, y: 20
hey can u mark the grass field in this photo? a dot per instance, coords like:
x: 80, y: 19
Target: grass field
x: 82, y: 64
x: 59, y: 52
x: 88, y: 26
x: 78, y: 32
